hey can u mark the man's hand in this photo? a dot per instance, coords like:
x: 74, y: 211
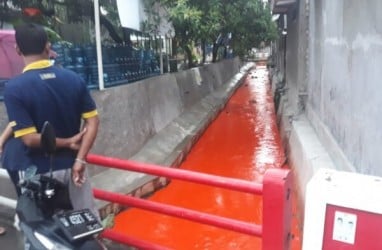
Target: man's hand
x: 78, y: 171
x: 75, y: 141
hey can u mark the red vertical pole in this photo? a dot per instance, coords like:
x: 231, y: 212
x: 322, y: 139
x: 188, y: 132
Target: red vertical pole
x: 277, y: 209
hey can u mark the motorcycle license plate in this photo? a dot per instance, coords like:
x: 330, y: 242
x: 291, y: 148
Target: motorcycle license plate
x: 78, y: 224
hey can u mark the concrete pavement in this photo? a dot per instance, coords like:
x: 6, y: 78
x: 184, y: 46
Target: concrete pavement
x: 12, y: 239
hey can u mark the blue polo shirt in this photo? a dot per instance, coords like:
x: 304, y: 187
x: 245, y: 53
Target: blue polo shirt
x: 48, y: 93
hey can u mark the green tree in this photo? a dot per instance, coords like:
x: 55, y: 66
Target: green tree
x: 53, y: 11
x: 152, y: 24
x: 245, y: 24
x: 211, y: 22
x: 255, y: 26
x: 240, y: 24
x: 236, y: 24
x: 186, y: 20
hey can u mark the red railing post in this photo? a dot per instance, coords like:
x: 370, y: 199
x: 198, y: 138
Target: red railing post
x: 277, y: 209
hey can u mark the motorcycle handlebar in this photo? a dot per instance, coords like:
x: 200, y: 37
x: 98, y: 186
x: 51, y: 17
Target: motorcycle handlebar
x: 30, y: 184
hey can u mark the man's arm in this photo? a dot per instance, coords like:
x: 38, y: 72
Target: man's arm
x: 91, y: 126
x: 33, y: 140
x: 7, y: 133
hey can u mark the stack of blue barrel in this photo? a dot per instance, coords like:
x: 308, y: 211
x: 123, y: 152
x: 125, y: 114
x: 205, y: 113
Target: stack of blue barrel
x: 77, y: 58
x: 121, y: 63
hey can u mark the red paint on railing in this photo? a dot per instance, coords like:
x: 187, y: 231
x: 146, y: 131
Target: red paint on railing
x: 175, y: 173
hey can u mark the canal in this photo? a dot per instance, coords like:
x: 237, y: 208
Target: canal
x: 242, y: 142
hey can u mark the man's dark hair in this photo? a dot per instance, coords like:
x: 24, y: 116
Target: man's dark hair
x: 31, y: 38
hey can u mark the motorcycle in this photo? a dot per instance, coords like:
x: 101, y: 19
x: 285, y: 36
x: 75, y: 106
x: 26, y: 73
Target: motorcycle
x: 45, y: 211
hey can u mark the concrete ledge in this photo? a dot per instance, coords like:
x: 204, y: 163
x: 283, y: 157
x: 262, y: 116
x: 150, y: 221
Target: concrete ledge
x: 337, y: 155
x: 306, y: 152
x: 310, y: 147
x: 168, y: 147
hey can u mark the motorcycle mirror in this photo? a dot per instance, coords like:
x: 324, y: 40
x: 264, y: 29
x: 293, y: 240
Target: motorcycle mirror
x: 48, y: 138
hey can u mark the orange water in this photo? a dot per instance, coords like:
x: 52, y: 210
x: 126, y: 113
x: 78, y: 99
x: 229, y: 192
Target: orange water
x: 242, y: 143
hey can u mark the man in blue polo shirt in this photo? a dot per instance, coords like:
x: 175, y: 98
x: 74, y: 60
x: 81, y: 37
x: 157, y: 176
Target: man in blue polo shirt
x: 42, y: 93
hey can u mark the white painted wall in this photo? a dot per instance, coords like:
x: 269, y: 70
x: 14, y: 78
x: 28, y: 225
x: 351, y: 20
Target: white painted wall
x: 348, y: 59
x: 130, y: 13
x: 334, y: 57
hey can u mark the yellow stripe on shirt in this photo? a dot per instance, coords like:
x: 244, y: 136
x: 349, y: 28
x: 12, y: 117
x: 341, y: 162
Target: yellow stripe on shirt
x: 89, y: 114
x: 25, y: 131
x: 41, y: 64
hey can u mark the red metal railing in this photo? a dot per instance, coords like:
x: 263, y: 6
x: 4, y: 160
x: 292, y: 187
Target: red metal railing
x: 276, y: 188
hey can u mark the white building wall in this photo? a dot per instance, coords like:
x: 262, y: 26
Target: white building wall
x: 348, y: 59
x: 334, y: 54
x: 130, y: 13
